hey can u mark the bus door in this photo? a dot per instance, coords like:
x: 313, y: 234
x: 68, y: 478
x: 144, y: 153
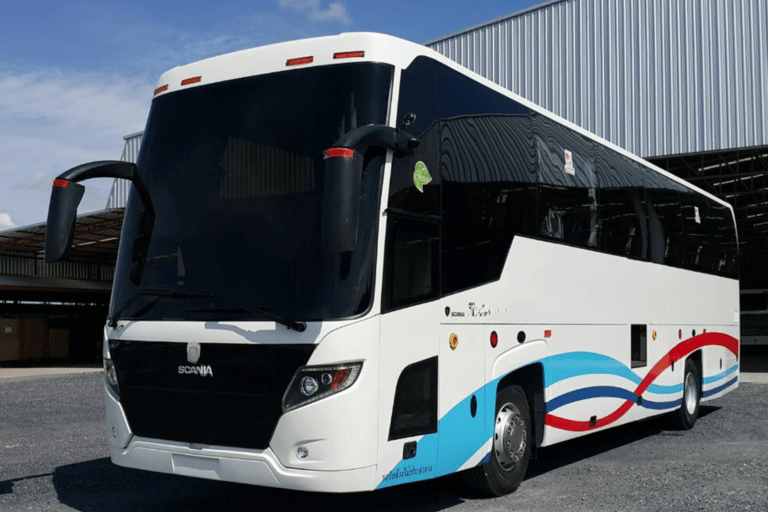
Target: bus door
x: 410, y: 329
x: 464, y: 416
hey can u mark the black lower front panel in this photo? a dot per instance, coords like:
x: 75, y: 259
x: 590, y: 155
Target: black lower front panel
x: 232, y: 396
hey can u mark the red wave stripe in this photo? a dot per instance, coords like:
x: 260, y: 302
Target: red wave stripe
x: 678, y: 352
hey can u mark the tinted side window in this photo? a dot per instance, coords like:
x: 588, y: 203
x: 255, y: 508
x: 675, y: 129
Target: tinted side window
x: 412, y: 262
x: 725, y: 246
x: 710, y: 238
x: 623, y: 219
x: 418, y: 95
x: 665, y: 227
x: 487, y: 166
x: 567, y: 205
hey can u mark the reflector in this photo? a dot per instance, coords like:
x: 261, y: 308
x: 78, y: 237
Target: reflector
x: 343, y: 152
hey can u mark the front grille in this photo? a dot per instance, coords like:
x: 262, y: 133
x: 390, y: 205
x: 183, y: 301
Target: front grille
x: 238, y: 406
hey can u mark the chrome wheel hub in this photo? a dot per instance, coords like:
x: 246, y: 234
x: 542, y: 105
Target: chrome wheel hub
x: 509, y: 437
x: 690, y: 394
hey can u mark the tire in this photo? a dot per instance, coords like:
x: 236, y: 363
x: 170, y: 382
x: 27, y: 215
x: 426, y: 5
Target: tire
x: 685, y: 417
x: 506, y: 468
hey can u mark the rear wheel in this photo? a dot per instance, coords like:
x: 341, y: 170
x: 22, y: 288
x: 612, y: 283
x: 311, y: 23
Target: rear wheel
x: 685, y: 417
x: 511, y: 448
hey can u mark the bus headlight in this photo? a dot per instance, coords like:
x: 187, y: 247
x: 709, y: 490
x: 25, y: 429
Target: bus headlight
x: 313, y: 383
x: 110, y: 375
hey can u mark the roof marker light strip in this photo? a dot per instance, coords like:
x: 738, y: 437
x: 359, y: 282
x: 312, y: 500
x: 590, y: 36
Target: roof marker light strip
x: 299, y: 60
x: 193, y: 80
x: 160, y: 89
x: 348, y: 55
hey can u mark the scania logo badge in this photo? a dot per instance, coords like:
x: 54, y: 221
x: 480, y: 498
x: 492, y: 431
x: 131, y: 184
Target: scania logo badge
x: 193, y: 353
x: 447, y: 311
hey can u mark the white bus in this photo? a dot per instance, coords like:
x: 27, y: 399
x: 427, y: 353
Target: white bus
x: 754, y: 317
x: 349, y: 263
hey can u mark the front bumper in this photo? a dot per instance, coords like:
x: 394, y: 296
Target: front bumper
x: 255, y: 467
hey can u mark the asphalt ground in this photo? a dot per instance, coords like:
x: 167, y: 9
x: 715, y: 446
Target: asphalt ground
x: 53, y: 457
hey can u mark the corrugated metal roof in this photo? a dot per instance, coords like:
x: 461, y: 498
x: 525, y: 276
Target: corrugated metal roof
x: 657, y: 77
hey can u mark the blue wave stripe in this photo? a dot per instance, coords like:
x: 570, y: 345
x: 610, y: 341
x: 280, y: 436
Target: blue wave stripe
x: 587, y: 393
x: 575, y: 364
x: 606, y: 392
x: 718, y: 389
x: 721, y: 375
x: 648, y: 404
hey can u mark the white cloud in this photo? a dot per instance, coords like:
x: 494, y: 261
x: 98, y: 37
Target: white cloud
x: 52, y: 120
x: 335, y: 11
x: 6, y: 222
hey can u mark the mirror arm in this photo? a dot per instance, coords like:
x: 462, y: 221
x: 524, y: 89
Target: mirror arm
x: 112, y: 169
x: 399, y: 141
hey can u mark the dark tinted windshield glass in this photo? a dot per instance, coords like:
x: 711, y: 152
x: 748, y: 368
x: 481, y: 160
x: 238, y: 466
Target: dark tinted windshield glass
x: 236, y: 175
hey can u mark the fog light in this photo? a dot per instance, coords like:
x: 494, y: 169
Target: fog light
x: 308, y: 386
x: 302, y: 452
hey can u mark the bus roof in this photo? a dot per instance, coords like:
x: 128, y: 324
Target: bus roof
x: 354, y: 47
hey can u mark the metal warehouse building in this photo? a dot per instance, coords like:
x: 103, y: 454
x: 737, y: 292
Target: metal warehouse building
x: 682, y: 83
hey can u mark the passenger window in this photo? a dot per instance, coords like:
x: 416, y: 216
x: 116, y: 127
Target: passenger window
x: 567, y: 202
x: 489, y: 195
x: 412, y: 262
x: 622, y: 212
x: 665, y: 227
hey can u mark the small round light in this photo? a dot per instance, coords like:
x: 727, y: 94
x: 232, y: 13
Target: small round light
x: 494, y: 340
x: 302, y: 452
x: 308, y: 386
x: 326, y: 378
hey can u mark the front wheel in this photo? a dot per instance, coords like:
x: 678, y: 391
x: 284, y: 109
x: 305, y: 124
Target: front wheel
x: 685, y: 417
x: 511, y: 448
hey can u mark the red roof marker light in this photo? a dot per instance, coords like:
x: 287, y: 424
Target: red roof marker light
x: 59, y: 183
x: 160, y: 89
x: 193, y: 80
x: 299, y: 60
x: 348, y: 55
x: 342, y: 152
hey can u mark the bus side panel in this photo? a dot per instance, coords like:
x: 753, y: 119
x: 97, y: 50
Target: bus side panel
x: 601, y: 371
x: 409, y: 337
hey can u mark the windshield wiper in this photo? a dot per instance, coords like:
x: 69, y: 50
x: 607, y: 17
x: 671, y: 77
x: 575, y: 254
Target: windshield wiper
x: 296, y: 325
x: 159, y: 295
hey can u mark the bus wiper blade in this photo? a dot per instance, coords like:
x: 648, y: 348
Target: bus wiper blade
x: 296, y: 325
x: 159, y: 295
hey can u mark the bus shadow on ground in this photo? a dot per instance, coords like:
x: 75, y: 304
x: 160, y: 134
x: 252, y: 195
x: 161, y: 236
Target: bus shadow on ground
x: 569, y: 452
x: 98, y: 485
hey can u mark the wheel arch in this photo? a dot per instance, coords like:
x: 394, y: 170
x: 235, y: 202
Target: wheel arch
x: 530, y: 378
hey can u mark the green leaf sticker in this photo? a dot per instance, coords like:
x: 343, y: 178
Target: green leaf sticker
x: 421, y: 176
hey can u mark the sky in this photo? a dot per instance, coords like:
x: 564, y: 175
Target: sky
x: 78, y: 75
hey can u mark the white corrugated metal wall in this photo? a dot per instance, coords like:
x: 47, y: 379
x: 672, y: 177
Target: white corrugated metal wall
x: 118, y: 195
x: 657, y: 77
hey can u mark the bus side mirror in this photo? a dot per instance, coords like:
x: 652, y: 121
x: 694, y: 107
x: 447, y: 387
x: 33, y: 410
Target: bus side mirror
x: 62, y: 211
x: 66, y: 196
x: 343, y: 174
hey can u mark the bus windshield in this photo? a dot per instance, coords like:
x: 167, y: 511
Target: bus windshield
x: 236, y: 176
